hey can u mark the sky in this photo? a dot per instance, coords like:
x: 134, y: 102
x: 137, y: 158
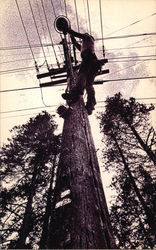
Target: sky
x: 119, y: 18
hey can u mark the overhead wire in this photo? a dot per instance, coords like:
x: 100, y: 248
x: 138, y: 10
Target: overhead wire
x: 77, y: 20
x: 13, y: 116
x: 126, y: 36
x: 50, y: 34
x: 37, y: 31
x: 109, y: 58
x: 87, y: 29
x: 65, y: 7
x: 25, y: 30
x: 131, y: 24
x: 103, y: 47
x: 89, y: 17
x: 97, y: 39
x: 96, y: 82
x: 135, y: 47
x: 42, y: 107
x: 42, y: 26
x: 108, y: 49
x: 26, y: 109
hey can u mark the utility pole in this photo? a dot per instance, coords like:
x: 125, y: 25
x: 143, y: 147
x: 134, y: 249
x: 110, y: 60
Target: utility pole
x: 80, y: 218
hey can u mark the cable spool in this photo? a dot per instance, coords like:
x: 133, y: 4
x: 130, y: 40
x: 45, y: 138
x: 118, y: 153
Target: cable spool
x: 62, y: 24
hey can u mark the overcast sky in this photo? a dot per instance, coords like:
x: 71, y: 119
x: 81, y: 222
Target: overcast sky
x: 119, y: 18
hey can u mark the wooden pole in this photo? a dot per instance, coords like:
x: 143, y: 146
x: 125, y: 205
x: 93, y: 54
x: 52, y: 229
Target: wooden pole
x: 80, y: 218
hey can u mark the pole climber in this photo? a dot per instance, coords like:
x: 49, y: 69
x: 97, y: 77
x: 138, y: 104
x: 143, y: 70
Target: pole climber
x: 88, y: 69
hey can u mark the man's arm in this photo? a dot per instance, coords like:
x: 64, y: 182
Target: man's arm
x: 77, y: 45
x: 74, y: 33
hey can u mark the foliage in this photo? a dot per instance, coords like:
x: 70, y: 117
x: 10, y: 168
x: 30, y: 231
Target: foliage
x: 26, y: 165
x: 129, y: 152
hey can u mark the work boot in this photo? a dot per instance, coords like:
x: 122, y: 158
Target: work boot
x: 90, y: 107
x: 74, y: 97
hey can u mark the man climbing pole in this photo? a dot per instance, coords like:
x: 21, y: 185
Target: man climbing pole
x: 87, y: 72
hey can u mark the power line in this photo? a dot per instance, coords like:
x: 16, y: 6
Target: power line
x: 96, y: 82
x: 25, y: 29
x: 138, y: 60
x: 125, y: 48
x: 103, y: 48
x: 126, y: 68
x: 19, y: 110
x: 125, y: 79
x: 76, y: 16
x: 140, y: 20
x: 37, y: 30
x: 85, y: 16
x: 128, y: 57
x: 97, y: 39
x: 50, y: 33
x: 135, y: 47
x: 65, y: 6
x: 110, y: 58
x: 127, y: 36
x: 5, y: 117
x: 89, y: 17
x: 42, y: 107
x: 38, y: 8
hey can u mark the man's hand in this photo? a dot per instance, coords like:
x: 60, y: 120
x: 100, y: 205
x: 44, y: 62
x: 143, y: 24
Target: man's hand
x: 77, y: 45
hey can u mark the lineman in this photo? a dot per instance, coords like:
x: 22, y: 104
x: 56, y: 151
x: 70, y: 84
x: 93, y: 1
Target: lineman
x: 87, y: 72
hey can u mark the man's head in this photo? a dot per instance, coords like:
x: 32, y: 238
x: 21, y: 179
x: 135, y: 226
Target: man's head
x: 89, y: 36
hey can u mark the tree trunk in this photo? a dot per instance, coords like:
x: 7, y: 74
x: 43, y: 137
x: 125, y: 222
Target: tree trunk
x: 149, y: 214
x: 80, y: 219
x: 48, y: 208
x: 26, y: 224
x: 143, y: 145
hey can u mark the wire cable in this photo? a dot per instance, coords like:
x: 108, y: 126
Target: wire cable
x: 42, y: 26
x: 25, y: 30
x: 140, y: 20
x: 50, y: 34
x: 76, y: 16
x: 135, y: 47
x: 19, y: 110
x: 85, y: 14
x: 42, y: 107
x: 97, y: 81
x: 65, y: 7
x: 97, y: 39
x: 109, y: 58
x: 103, y: 48
x: 126, y: 79
x: 13, y: 116
x: 89, y: 17
x: 127, y: 36
x: 37, y: 30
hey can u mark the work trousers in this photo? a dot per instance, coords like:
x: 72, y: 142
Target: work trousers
x: 85, y: 80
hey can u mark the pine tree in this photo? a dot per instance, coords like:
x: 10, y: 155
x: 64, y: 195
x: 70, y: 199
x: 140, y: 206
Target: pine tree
x: 27, y: 161
x: 129, y: 153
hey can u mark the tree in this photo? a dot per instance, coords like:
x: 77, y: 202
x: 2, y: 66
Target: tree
x: 130, y: 154
x: 28, y: 162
